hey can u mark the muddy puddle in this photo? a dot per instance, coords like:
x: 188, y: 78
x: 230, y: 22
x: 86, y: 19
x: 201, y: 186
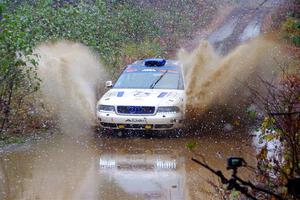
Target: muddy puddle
x: 119, y: 168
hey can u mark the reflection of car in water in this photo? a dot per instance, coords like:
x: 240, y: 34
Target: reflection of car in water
x: 149, y: 95
x: 154, y: 176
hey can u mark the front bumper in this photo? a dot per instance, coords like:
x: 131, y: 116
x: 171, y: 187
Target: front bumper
x: 159, y: 121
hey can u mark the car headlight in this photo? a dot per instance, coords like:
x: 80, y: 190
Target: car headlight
x: 106, y: 108
x: 168, y: 109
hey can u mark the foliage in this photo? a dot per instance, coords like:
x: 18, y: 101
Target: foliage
x: 291, y: 29
x: 192, y: 145
x: 11, y: 140
x: 95, y: 25
x: 15, y: 52
x: 291, y: 25
x: 145, y: 49
x: 234, y: 194
x: 281, y: 127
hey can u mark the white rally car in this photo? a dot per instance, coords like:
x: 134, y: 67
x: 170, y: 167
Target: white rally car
x: 148, y: 95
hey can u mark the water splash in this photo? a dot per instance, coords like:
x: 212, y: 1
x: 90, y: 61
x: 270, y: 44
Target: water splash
x: 216, y: 84
x: 70, y: 74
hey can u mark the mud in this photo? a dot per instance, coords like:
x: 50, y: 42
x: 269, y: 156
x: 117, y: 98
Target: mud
x: 219, y: 85
x: 119, y: 168
x: 71, y: 76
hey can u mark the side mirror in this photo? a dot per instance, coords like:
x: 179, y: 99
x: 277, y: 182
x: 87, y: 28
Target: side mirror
x: 108, y: 84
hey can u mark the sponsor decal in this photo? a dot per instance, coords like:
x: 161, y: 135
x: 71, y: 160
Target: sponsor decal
x: 131, y: 69
x: 110, y: 94
x: 149, y: 70
x: 120, y: 94
x: 135, y: 120
x: 161, y: 95
x: 169, y: 71
x: 141, y: 94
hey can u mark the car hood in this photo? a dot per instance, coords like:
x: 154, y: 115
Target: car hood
x: 143, y: 97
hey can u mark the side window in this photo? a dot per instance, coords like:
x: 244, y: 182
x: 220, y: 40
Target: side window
x: 180, y: 81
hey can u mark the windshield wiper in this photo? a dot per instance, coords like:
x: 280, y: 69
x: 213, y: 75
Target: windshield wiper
x: 157, y: 80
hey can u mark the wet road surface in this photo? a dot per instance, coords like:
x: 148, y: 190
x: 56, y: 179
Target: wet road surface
x: 237, y: 25
x: 133, y: 167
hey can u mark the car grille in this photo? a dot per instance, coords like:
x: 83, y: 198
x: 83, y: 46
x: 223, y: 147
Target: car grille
x: 136, y: 110
x: 109, y: 125
x: 163, y: 125
x: 137, y: 126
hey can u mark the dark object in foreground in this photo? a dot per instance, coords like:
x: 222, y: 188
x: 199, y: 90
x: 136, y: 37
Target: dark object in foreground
x: 236, y: 182
x: 235, y: 162
x: 294, y: 187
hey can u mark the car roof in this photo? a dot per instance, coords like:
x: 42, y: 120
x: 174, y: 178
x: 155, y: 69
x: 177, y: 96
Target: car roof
x: 155, y: 63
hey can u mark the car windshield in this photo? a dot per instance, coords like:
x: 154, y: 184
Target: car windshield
x: 144, y: 80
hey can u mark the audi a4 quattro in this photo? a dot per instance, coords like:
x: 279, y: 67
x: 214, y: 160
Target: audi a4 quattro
x: 148, y: 95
